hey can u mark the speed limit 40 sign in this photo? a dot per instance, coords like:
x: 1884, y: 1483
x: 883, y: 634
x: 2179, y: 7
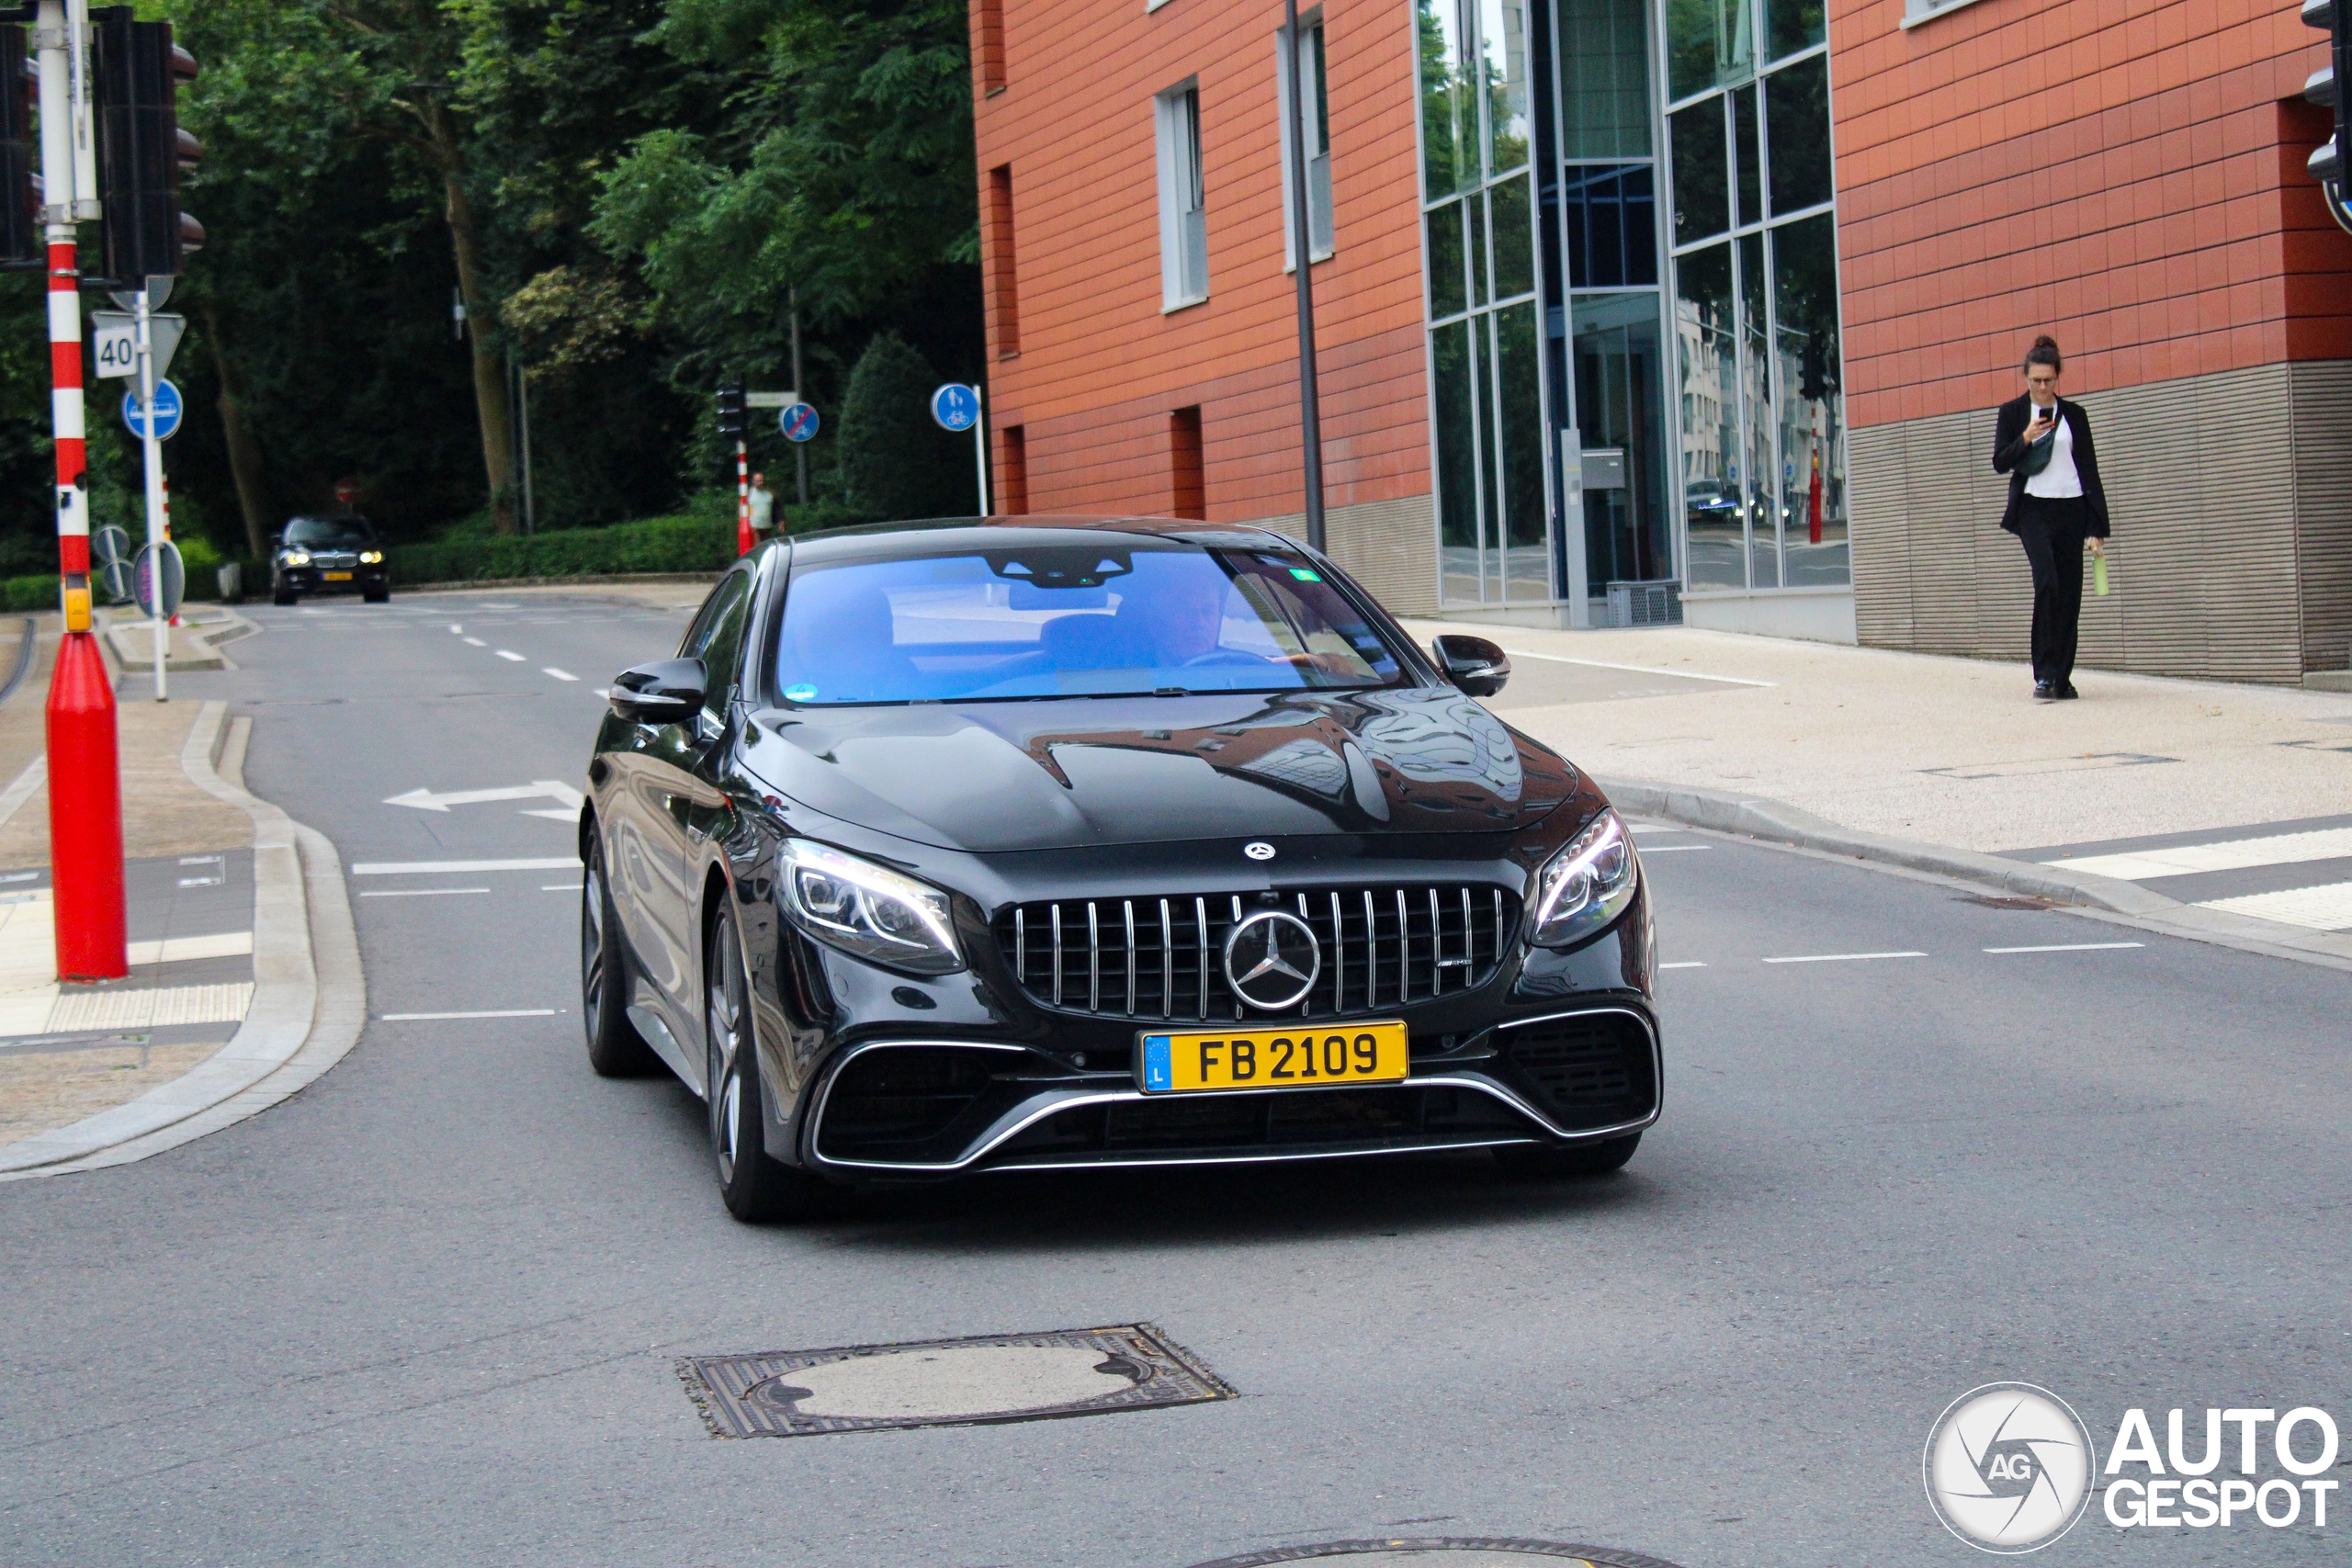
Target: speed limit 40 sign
x: 114, y: 340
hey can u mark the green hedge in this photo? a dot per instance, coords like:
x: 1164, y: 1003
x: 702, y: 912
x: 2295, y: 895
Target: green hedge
x: 28, y: 595
x: 655, y: 545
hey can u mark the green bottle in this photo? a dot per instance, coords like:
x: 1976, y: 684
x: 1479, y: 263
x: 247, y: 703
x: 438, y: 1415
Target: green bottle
x: 2098, y: 575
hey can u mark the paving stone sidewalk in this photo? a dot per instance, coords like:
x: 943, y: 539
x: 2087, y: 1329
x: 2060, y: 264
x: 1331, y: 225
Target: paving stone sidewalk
x: 68, y: 1053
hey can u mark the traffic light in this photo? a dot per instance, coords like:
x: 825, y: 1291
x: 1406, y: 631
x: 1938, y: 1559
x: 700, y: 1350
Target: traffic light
x: 20, y: 236
x: 733, y: 417
x: 2333, y: 160
x: 142, y: 147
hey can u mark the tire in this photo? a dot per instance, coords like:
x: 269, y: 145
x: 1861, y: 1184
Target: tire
x: 1531, y: 1162
x: 280, y: 596
x: 377, y: 595
x: 615, y: 1048
x: 755, y: 1188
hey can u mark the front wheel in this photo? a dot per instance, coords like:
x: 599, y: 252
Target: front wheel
x: 1530, y: 1162
x: 280, y: 594
x: 377, y: 595
x: 615, y: 1048
x: 754, y: 1187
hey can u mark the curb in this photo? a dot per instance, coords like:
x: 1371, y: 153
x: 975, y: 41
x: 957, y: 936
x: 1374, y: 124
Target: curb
x: 2125, y: 903
x: 309, y: 1005
x: 585, y: 581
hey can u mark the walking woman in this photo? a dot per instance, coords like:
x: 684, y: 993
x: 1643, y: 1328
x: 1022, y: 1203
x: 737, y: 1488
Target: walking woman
x: 2057, y: 507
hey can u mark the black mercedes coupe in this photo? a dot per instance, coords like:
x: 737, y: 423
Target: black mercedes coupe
x: 1043, y: 843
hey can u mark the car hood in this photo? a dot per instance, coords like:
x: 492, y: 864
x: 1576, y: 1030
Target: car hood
x: 1005, y: 776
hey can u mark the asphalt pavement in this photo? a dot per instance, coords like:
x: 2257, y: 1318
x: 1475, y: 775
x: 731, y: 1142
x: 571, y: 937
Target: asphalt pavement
x: 430, y: 1311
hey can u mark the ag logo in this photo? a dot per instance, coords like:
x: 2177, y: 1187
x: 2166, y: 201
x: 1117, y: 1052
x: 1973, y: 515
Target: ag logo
x: 1272, y: 960
x: 2008, y: 1468
x: 1258, y: 848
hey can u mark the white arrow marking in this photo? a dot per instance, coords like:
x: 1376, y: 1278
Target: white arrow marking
x: 426, y: 800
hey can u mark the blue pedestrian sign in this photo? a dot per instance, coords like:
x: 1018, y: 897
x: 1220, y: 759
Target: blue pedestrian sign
x: 956, y: 406
x: 798, y: 422
x: 167, y: 411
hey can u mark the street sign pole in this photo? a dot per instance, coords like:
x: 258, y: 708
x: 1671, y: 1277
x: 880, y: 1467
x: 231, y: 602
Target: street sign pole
x: 152, y: 450
x: 85, y: 779
x: 1311, y: 412
x: 742, y: 497
x: 980, y: 443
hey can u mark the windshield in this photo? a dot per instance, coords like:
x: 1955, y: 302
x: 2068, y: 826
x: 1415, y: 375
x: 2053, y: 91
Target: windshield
x: 1070, y: 620
x: 317, y: 531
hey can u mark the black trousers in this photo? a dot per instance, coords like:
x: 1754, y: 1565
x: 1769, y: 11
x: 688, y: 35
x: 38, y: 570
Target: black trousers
x: 2052, y: 529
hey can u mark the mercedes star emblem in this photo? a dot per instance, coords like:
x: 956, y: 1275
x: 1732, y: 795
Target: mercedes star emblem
x: 1272, y: 960
x: 1258, y: 850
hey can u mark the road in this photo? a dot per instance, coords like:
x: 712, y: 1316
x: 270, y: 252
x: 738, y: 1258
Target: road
x: 429, y: 1311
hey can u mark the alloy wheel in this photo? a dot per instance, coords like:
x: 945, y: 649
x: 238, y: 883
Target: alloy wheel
x: 724, y: 1031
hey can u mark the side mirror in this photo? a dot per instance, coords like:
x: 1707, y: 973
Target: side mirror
x: 278, y: 540
x: 1473, y: 664
x: 668, y: 691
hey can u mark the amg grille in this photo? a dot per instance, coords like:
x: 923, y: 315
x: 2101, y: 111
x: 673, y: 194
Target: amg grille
x: 1163, y: 958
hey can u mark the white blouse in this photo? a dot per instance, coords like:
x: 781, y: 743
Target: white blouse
x: 2059, y: 479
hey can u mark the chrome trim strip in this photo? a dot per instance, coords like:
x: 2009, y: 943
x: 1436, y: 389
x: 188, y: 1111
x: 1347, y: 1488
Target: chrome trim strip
x: 1437, y: 947
x: 1057, y: 953
x: 1201, y: 974
x: 1093, y: 960
x: 1256, y: 1159
x: 1167, y: 965
x: 1020, y: 946
x: 1403, y: 953
x: 1371, y: 954
x: 1130, y: 906
x: 1340, y: 960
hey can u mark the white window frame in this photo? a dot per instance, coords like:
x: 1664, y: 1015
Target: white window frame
x: 1292, y: 90
x: 1183, y: 216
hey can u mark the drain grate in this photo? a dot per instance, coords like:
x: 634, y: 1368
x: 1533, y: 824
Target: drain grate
x: 947, y: 1383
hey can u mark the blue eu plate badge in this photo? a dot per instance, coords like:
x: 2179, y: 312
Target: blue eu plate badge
x: 1155, y: 1072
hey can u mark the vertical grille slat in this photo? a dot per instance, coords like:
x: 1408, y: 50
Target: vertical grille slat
x: 1441, y: 941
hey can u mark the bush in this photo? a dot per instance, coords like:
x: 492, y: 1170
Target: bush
x: 28, y: 595
x: 653, y: 545
x: 895, y: 460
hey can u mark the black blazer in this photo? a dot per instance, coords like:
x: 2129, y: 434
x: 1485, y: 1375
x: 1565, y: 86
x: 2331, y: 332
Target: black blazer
x: 2008, y: 451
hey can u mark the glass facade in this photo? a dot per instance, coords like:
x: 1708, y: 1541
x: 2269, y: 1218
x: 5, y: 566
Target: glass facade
x: 1633, y: 297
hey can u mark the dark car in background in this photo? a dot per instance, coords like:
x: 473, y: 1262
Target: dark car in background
x: 1050, y: 844
x: 337, y: 553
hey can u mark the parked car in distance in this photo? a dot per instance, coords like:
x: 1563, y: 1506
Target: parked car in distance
x: 338, y: 553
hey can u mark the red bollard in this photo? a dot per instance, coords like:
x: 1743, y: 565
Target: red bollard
x: 86, y: 815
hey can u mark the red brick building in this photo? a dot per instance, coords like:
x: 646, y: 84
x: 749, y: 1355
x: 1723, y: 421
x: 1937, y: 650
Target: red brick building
x: 1714, y: 291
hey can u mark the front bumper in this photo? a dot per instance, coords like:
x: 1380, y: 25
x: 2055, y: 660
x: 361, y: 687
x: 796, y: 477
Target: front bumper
x: 927, y: 1108
x: 314, y: 580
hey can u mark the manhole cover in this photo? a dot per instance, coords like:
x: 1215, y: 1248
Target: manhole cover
x: 1448, y: 1551
x: 946, y: 1383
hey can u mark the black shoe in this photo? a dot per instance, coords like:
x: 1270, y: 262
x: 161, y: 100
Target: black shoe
x: 2067, y: 690
x: 2044, y: 691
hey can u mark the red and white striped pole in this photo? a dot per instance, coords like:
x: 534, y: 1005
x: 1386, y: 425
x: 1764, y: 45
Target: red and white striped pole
x: 742, y: 497
x: 85, y: 778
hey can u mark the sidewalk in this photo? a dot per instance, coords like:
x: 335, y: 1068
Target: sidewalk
x: 1949, y: 762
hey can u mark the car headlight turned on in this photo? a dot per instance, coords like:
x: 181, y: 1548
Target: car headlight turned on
x: 868, y: 910
x: 371, y: 557
x: 298, y: 557
x: 1586, y: 886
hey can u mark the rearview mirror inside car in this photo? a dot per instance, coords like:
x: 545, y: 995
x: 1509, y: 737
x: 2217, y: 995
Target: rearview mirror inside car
x: 1472, y: 663
x: 668, y: 691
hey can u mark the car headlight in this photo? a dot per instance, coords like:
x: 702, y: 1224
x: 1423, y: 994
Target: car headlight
x: 298, y: 557
x: 868, y: 910
x: 1586, y: 886
x: 371, y: 557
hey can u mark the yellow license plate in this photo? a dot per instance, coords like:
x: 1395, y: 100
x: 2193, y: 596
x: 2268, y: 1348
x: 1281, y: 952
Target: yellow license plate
x: 1187, y: 1061
x: 338, y: 576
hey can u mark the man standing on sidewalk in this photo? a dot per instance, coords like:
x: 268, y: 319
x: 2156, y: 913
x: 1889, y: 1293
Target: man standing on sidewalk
x: 762, y: 509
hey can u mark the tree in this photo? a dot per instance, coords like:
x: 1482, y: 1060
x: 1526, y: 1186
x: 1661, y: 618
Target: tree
x: 895, y: 460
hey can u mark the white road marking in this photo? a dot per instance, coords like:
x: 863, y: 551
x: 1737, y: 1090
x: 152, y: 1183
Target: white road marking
x: 553, y: 789
x: 411, y: 867
x: 2071, y: 947
x: 501, y: 1013
x: 1840, y: 957
x: 180, y: 949
x: 556, y: 814
x: 2322, y: 909
x: 561, y: 887
x: 603, y: 694
x: 1636, y: 669
x: 476, y: 642
x: 1687, y: 963
x: 508, y: 653
x: 20, y: 876
x: 456, y: 630
x: 559, y: 674
x: 420, y: 891
x: 2233, y: 854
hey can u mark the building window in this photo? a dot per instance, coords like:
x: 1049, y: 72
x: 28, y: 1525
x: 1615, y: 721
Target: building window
x: 988, y: 38
x: 1485, y: 356
x: 1013, y: 471
x: 1187, y: 468
x: 1004, y: 296
x: 1306, y: 112
x: 1183, y: 202
x: 1754, y: 294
